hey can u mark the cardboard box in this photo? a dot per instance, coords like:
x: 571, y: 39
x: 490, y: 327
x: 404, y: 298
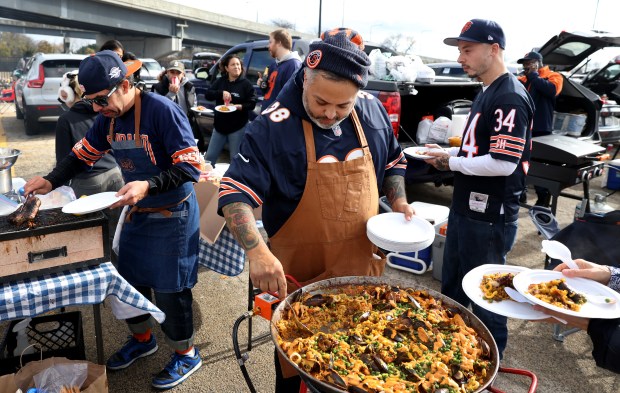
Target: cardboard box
x: 211, y: 223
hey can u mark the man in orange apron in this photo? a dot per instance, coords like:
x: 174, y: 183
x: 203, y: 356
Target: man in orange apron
x: 315, y: 160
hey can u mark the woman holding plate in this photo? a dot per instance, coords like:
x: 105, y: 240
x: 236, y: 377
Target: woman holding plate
x: 604, y: 333
x: 235, y: 97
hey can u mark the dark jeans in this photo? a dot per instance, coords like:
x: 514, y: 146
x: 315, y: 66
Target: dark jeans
x: 469, y: 244
x: 177, y: 306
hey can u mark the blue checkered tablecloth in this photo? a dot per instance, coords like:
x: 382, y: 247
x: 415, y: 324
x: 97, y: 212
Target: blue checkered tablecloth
x: 89, y: 285
x: 225, y: 256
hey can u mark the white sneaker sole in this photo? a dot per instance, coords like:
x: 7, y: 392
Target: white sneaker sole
x: 178, y: 381
x: 152, y: 351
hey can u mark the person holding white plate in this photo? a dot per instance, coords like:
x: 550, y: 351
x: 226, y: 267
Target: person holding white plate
x: 237, y: 94
x: 604, y: 333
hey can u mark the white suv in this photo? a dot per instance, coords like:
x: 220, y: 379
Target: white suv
x: 36, y: 91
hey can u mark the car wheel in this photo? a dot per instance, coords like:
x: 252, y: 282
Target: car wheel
x: 31, y: 124
x: 18, y: 113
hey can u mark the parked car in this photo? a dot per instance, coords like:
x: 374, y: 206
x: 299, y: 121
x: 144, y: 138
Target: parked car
x: 567, y: 53
x: 203, y: 59
x: 36, y: 90
x: 453, y: 69
x: 149, y: 72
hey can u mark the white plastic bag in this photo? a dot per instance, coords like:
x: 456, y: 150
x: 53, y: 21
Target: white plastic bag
x: 378, y: 64
x: 57, y: 198
x: 439, y: 131
x: 424, y: 128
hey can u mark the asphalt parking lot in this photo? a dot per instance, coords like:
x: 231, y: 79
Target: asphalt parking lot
x: 218, y: 301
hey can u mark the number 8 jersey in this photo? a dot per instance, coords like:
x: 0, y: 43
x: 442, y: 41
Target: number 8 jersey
x: 499, y: 124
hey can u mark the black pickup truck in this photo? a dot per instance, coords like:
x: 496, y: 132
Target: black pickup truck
x: 405, y: 102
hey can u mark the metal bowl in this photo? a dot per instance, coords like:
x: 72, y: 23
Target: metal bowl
x: 8, y: 157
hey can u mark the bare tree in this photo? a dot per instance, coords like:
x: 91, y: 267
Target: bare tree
x: 399, y: 43
x: 283, y: 24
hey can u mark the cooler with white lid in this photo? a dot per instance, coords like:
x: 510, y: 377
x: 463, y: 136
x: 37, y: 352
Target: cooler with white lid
x: 421, y: 261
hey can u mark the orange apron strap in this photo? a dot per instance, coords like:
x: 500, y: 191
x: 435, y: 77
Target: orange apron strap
x: 309, y: 137
x: 137, y: 112
x: 359, y: 131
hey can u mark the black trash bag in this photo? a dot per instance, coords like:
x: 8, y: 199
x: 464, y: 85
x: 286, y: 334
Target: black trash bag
x: 594, y: 237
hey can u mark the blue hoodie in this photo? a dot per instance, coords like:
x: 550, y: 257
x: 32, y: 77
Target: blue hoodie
x: 271, y: 166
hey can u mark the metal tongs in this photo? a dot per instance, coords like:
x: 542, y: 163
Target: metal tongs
x: 297, y: 297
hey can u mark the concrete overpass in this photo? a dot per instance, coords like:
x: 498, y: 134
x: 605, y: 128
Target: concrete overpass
x: 149, y: 28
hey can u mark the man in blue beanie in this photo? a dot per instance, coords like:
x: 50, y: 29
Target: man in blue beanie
x: 489, y: 167
x: 315, y: 160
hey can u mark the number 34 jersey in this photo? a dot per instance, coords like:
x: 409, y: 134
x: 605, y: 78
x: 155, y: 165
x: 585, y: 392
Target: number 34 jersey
x: 499, y: 124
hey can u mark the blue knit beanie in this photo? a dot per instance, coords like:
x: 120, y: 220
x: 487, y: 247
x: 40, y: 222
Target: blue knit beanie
x: 337, y: 54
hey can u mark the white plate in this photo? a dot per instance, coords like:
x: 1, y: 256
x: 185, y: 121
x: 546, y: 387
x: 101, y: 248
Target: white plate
x: 580, y: 285
x: 392, y: 232
x: 417, y: 152
x: 205, y: 110
x: 91, y: 203
x: 507, y: 308
x: 231, y: 108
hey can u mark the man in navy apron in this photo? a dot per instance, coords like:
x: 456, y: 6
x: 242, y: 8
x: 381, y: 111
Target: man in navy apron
x: 154, y: 146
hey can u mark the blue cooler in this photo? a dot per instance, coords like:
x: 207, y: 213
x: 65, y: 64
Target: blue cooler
x: 420, y: 262
x: 613, y: 175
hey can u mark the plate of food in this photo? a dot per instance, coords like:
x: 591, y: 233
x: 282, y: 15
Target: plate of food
x: 91, y: 203
x: 485, y: 285
x: 419, y: 152
x: 201, y: 109
x: 578, y: 297
x: 225, y: 108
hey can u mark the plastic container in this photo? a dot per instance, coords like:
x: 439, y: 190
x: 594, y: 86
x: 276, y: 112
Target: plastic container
x: 573, y: 124
x: 57, y: 335
x: 613, y: 175
x: 424, y: 127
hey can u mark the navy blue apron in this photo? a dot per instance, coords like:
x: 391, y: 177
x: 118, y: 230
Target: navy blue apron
x: 157, y: 249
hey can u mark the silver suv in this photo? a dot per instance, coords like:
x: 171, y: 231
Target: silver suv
x: 36, y: 91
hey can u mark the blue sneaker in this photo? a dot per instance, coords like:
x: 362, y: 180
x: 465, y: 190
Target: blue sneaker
x: 177, y: 371
x: 130, y: 352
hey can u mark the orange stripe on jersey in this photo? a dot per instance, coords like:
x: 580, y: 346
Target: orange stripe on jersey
x: 189, y: 155
x: 503, y: 145
x: 396, y: 161
x: 508, y: 137
x: 506, y: 152
x: 243, y: 188
x: 226, y: 192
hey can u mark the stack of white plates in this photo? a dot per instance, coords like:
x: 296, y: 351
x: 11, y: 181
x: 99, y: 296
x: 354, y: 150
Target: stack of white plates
x: 391, y: 232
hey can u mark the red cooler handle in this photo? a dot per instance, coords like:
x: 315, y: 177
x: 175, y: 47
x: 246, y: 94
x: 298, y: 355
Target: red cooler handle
x: 517, y: 371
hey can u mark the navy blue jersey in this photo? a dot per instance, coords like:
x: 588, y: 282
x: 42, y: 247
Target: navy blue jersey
x: 499, y: 124
x: 164, y: 129
x: 278, y: 74
x: 271, y: 167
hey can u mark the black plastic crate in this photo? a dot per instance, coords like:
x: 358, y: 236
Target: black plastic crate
x: 56, y: 335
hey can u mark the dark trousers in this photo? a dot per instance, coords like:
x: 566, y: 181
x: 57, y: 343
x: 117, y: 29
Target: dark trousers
x: 177, y: 306
x: 469, y: 244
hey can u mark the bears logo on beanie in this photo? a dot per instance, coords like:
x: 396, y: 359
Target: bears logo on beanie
x: 337, y: 54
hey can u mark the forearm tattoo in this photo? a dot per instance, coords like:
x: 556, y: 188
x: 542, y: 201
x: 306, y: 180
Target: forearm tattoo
x: 241, y: 223
x: 394, y: 188
x: 442, y: 163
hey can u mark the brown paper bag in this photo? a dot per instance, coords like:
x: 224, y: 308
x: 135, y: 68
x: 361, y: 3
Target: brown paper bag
x: 96, y: 381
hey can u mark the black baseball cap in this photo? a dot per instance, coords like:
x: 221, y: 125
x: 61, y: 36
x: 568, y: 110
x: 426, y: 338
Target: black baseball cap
x: 479, y: 30
x: 530, y: 56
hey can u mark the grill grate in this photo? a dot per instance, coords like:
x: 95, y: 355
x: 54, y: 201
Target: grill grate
x: 46, y: 218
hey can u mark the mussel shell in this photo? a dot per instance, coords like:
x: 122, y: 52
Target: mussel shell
x: 318, y: 300
x: 411, y: 375
x: 383, y: 367
x: 361, y: 316
x: 356, y: 339
x: 334, y: 378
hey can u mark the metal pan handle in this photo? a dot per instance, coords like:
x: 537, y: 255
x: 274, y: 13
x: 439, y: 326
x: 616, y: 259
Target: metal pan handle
x: 533, y: 377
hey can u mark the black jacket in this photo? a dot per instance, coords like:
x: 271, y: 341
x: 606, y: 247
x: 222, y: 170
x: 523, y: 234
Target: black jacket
x: 242, y: 92
x: 605, y: 335
x: 71, y: 128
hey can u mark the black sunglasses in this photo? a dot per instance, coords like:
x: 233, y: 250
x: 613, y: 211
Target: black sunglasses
x: 100, y: 100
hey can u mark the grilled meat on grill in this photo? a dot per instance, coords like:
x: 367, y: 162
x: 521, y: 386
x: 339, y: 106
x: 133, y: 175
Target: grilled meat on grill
x: 25, y: 214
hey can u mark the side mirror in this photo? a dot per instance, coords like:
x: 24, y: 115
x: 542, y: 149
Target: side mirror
x: 17, y: 74
x: 201, y: 73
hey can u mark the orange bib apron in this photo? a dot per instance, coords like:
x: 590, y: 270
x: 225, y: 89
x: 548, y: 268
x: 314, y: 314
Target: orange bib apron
x: 325, y: 236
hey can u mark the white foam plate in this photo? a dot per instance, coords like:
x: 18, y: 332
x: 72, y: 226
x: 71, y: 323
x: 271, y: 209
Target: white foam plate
x: 507, y: 308
x: 91, y: 203
x: 417, y: 152
x: 580, y: 285
x: 390, y: 231
x: 202, y: 110
x: 231, y: 108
